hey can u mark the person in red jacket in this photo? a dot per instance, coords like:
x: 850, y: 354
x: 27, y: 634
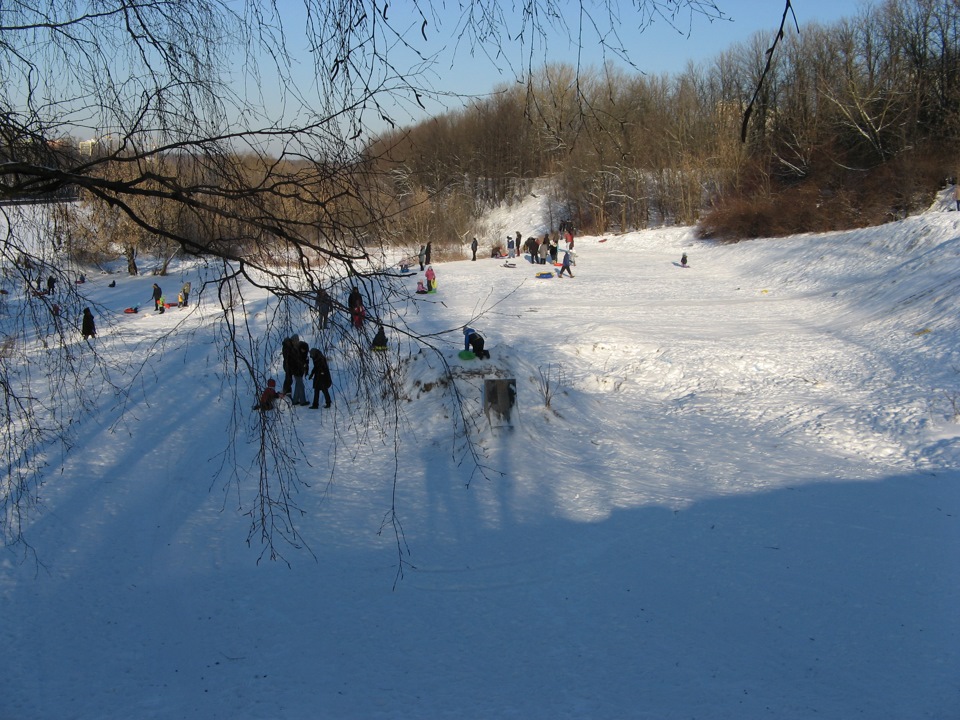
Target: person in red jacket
x: 269, y: 396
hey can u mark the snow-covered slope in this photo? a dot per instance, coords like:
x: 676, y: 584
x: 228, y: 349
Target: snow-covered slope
x: 741, y: 502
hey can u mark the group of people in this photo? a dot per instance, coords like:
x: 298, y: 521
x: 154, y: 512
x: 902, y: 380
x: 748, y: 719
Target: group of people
x: 424, y: 255
x: 431, y: 277
x: 160, y: 302
x: 296, y: 355
x: 540, y: 250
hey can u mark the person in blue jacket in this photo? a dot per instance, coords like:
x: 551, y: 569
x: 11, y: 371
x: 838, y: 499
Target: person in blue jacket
x: 474, y: 340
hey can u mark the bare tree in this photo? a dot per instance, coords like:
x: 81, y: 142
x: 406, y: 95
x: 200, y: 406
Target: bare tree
x: 191, y: 158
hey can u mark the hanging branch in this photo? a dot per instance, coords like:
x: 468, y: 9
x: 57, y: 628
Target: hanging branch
x: 788, y: 8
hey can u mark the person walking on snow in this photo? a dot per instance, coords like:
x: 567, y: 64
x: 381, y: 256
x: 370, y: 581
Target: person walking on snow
x: 565, y: 266
x: 322, y: 380
x: 157, y: 296
x: 88, y: 328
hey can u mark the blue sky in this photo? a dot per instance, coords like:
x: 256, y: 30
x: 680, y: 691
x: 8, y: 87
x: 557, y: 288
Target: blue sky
x: 658, y: 48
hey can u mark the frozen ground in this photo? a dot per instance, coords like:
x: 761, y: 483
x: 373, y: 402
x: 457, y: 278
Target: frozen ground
x: 743, y: 501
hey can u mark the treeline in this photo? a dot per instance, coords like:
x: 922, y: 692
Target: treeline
x: 854, y: 124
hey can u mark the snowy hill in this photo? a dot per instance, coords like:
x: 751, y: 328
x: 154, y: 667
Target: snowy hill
x: 741, y: 502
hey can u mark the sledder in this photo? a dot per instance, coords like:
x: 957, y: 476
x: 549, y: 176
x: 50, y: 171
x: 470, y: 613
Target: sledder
x: 474, y: 340
x: 268, y: 397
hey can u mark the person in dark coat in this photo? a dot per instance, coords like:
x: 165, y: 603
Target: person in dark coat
x: 472, y: 340
x: 565, y: 266
x: 299, y: 368
x: 287, y: 353
x: 324, y: 306
x: 354, y: 298
x: 51, y: 284
x: 357, y: 311
x: 428, y: 252
x: 88, y: 328
x: 473, y: 247
x: 379, y: 340
x: 322, y: 381
x: 531, y: 247
x: 157, y: 296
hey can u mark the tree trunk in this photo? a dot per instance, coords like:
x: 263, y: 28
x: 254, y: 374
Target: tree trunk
x: 131, y: 254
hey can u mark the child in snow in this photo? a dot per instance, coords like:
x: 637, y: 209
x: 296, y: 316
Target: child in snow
x: 683, y: 260
x: 380, y: 339
x: 269, y: 396
x: 421, y: 288
x: 474, y: 340
x: 431, y: 279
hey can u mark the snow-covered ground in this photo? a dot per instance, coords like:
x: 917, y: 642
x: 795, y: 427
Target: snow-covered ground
x: 743, y: 501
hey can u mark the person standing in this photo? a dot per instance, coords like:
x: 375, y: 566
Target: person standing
x: 185, y: 294
x: 88, y: 328
x: 324, y: 306
x: 511, y: 248
x: 287, y: 352
x: 322, y: 380
x: 301, y: 363
x: 157, y: 297
x: 431, y: 279
x: 473, y: 247
x: 51, y: 284
x: 422, y: 257
x: 355, y: 305
x: 428, y: 251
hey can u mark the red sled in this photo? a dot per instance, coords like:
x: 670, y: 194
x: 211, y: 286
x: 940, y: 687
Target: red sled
x: 131, y: 311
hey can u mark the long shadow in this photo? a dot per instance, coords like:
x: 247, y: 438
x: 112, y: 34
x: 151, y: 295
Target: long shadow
x: 825, y: 599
